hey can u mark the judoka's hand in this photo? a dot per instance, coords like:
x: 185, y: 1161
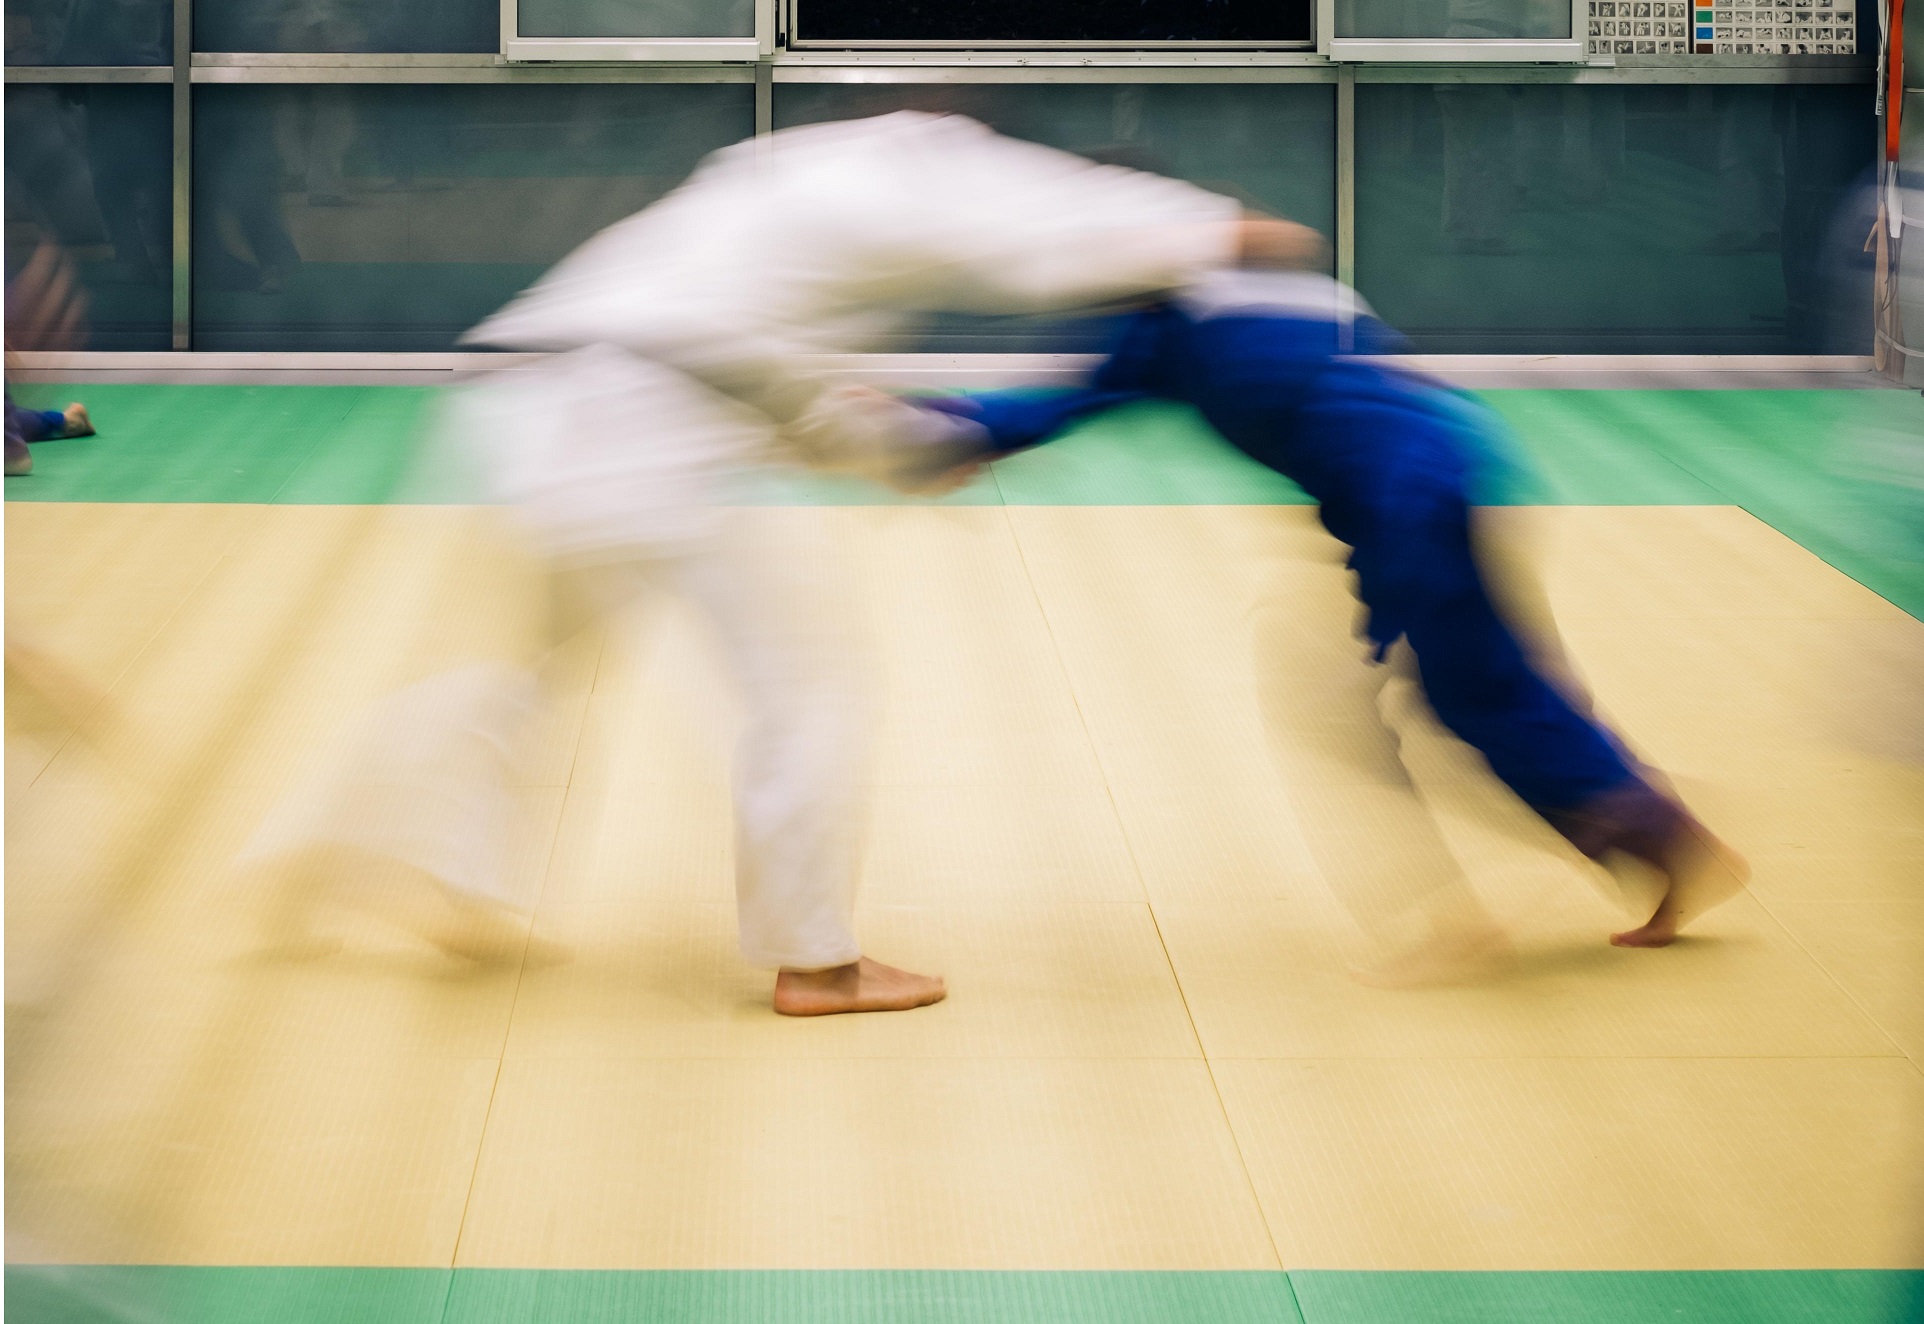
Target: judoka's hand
x: 951, y: 480
x: 918, y: 452
x: 1265, y: 241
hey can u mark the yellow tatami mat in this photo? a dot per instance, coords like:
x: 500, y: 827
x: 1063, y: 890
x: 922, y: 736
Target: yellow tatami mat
x: 1122, y: 755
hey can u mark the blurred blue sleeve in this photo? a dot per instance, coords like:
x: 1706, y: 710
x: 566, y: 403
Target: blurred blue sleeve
x: 1024, y: 417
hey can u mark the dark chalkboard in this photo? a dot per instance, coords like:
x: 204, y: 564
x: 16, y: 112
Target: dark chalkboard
x: 1271, y: 22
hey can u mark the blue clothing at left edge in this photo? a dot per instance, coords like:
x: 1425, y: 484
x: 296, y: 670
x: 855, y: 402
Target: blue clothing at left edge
x: 25, y: 425
x: 33, y: 424
x: 1392, y: 459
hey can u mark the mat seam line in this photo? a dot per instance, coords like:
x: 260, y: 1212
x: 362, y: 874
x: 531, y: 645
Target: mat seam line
x: 1108, y: 790
x: 1848, y: 996
x: 313, y: 449
x: 514, y: 1003
x: 1747, y: 507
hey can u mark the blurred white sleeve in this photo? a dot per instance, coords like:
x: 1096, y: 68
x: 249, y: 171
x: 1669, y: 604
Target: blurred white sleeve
x: 1010, y: 226
x: 776, y: 252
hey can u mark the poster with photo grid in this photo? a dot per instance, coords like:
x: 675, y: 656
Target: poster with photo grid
x: 1721, y: 27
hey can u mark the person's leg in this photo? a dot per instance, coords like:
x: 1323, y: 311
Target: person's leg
x: 48, y: 424
x: 410, y: 816
x: 331, y: 135
x: 19, y: 458
x: 35, y: 424
x: 1372, y: 838
x: 789, y: 644
x: 1393, y: 481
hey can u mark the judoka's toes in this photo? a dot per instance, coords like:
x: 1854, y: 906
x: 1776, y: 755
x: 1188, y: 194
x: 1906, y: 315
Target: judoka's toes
x: 1700, y: 872
x: 864, y: 985
x: 1653, y: 934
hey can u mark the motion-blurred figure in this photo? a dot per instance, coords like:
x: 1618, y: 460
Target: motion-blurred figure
x: 314, y: 129
x: 44, y: 311
x: 242, y: 193
x: 28, y: 425
x: 49, y: 179
x: 1391, y: 459
x: 682, y: 340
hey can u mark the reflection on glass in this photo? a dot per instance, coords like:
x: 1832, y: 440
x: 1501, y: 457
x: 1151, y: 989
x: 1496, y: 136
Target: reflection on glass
x: 394, y: 218
x: 637, y: 18
x: 1270, y: 146
x: 88, y: 170
x: 1454, y: 20
x: 90, y: 32
x: 347, y: 25
x: 1909, y: 295
x: 1504, y: 218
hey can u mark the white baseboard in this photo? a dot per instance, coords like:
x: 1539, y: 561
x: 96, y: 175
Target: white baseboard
x: 1599, y: 371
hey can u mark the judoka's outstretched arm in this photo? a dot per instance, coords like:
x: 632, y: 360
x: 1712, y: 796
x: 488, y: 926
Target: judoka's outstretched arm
x: 1018, y: 419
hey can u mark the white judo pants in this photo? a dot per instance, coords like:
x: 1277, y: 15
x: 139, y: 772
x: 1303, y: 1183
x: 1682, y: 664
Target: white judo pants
x: 784, y: 638
x: 424, y: 779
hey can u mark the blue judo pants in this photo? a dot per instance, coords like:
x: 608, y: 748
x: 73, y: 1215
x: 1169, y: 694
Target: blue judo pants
x: 34, y: 424
x: 1391, y: 461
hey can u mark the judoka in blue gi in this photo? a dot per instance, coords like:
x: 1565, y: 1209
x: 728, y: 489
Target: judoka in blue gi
x: 1285, y: 366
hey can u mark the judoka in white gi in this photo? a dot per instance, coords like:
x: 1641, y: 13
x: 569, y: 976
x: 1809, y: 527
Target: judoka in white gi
x: 681, y: 343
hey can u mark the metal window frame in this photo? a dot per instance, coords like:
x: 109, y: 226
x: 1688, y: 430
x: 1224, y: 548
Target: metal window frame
x: 517, y: 49
x: 789, y: 29
x: 431, y: 70
x: 771, y: 65
x: 90, y: 73
x: 1426, y: 50
x: 1302, y: 70
x: 181, y: 331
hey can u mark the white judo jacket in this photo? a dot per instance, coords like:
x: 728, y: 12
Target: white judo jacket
x: 816, y: 240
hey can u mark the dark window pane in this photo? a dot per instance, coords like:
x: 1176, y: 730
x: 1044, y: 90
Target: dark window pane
x: 394, y: 218
x: 1271, y: 145
x: 1284, y: 21
x: 1454, y: 20
x: 455, y: 26
x: 632, y: 18
x: 1679, y: 219
x: 90, y: 31
x: 1910, y: 253
x: 88, y: 169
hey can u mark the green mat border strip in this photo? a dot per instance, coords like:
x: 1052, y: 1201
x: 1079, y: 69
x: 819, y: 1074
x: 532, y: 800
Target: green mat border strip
x: 1815, y: 465
x: 319, y: 1295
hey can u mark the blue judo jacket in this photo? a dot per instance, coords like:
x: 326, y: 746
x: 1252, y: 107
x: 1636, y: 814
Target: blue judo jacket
x: 1281, y: 365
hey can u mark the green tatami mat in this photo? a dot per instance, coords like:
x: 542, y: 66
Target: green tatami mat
x: 1838, y: 471
x: 170, y: 1294
x: 1756, y: 1297
x: 290, y: 445
x: 167, y: 1295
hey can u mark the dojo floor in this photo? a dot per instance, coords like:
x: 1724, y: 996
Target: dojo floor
x: 1154, y: 1093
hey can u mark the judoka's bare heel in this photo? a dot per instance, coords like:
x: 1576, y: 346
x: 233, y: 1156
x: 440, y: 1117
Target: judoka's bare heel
x: 863, y: 985
x: 1700, y: 873
x: 1637, y: 820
